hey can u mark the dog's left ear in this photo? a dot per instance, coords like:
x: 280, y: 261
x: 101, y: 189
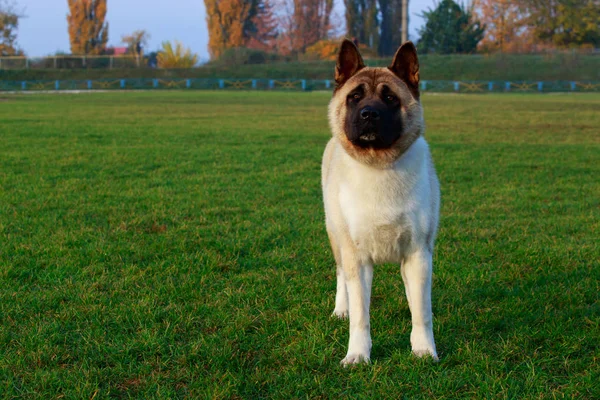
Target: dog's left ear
x: 406, y: 66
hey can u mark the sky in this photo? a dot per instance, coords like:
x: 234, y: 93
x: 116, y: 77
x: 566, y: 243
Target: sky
x: 43, y: 31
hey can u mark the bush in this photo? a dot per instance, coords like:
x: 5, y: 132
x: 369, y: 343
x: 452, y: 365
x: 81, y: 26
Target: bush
x: 176, y: 57
x: 323, y: 50
x: 246, y: 56
x: 328, y: 50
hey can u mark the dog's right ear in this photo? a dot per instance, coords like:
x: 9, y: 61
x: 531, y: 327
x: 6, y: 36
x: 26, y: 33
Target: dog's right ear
x: 349, y: 62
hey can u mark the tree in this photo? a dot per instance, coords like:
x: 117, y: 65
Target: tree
x: 376, y: 23
x: 565, y: 23
x: 302, y: 23
x: 230, y: 23
x: 88, y: 32
x: 450, y: 28
x: 529, y: 25
x: 391, y: 26
x: 264, y: 27
x: 310, y: 23
x: 506, y: 28
x: 362, y: 23
x: 136, y: 42
x: 176, y: 57
x: 9, y: 23
x: 354, y: 20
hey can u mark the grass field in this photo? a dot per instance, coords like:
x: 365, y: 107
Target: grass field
x: 171, y: 245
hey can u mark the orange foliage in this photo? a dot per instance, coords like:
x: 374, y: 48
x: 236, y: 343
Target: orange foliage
x: 264, y: 34
x: 506, y: 27
x: 329, y: 49
x: 88, y: 33
x: 323, y: 50
x: 9, y: 22
x: 227, y: 21
x: 302, y: 23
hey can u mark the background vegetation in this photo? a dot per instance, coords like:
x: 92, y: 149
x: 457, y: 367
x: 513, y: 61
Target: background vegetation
x: 445, y: 67
x: 310, y: 29
x: 88, y: 31
x: 164, y: 245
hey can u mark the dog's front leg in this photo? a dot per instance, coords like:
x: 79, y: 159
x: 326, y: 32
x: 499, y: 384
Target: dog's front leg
x: 416, y: 273
x: 359, y: 277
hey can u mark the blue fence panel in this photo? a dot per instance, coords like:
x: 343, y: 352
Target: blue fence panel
x: 439, y: 86
x: 292, y: 85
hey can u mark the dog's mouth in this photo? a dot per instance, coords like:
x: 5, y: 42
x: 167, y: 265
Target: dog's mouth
x: 371, y: 140
x: 368, y: 137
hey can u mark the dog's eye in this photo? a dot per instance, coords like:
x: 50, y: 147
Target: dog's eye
x: 390, y: 98
x: 355, y: 96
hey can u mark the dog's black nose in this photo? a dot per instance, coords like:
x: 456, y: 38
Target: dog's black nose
x: 369, y: 113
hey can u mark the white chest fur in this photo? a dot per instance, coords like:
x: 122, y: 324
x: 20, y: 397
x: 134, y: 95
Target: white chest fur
x: 386, y: 212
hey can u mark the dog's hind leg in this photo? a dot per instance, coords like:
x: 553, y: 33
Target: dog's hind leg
x: 416, y: 273
x: 341, y: 294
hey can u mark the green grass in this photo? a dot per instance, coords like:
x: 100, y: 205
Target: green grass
x: 570, y: 67
x: 171, y: 245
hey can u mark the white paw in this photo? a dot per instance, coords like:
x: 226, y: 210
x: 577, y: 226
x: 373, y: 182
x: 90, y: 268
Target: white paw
x: 426, y: 353
x: 356, y: 358
x: 341, y: 314
x: 422, y: 343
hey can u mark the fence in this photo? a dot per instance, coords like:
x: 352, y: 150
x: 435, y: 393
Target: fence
x: 73, y: 62
x: 292, y: 84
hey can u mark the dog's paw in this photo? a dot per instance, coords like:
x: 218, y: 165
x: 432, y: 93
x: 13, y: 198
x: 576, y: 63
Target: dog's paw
x: 426, y: 353
x: 422, y: 343
x: 354, y: 359
x: 341, y: 314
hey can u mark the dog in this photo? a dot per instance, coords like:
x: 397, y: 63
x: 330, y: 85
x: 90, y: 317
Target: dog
x: 380, y: 191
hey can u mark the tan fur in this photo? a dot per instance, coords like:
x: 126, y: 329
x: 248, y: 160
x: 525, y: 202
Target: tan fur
x: 412, y: 113
x: 380, y: 206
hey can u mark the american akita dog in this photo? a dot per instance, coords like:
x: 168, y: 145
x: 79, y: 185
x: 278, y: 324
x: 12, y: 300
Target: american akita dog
x: 381, y: 192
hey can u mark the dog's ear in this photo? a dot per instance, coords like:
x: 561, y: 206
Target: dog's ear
x: 349, y: 62
x: 406, y: 66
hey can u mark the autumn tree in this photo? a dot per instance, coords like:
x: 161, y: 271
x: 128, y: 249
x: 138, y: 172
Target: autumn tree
x: 450, y: 28
x: 310, y: 22
x: 136, y: 42
x: 303, y: 23
x: 88, y: 32
x: 564, y: 23
x: 9, y: 23
x: 263, y: 32
x: 530, y: 25
x: 506, y: 26
x: 230, y: 23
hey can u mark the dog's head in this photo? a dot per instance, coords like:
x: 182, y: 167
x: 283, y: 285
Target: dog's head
x: 375, y: 112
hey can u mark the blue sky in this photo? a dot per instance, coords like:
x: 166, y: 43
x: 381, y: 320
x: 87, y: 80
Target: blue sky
x: 44, y: 30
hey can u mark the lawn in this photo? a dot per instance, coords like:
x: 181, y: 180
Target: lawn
x: 172, y: 245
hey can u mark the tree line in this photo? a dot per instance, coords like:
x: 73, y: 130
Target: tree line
x: 513, y: 26
x: 298, y: 27
x: 88, y: 35
x: 293, y: 26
